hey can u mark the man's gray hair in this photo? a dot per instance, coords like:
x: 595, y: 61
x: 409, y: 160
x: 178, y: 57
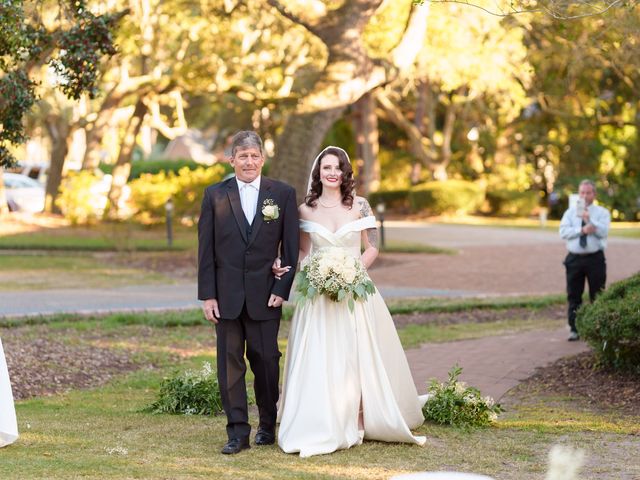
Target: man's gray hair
x: 246, y: 139
x: 586, y: 181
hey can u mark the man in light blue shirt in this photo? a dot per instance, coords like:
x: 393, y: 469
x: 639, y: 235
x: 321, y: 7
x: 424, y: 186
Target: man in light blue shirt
x: 584, y: 227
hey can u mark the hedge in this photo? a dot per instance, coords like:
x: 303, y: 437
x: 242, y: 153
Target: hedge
x: 512, y: 202
x: 451, y: 196
x: 611, y: 325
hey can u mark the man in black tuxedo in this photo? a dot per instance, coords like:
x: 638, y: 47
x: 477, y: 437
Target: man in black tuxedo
x: 245, y: 223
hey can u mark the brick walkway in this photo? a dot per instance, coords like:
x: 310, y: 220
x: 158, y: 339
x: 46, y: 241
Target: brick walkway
x: 492, y: 364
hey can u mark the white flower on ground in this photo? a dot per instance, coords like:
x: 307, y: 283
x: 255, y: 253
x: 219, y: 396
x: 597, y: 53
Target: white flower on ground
x: 564, y: 463
x: 117, y: 450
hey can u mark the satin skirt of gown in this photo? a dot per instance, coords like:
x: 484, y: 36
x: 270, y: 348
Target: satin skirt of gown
x: 339, y: 362
x: 8, y: 423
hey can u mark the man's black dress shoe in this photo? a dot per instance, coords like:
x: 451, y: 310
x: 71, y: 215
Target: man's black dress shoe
x: 265, y: 437
x: 236, y: 445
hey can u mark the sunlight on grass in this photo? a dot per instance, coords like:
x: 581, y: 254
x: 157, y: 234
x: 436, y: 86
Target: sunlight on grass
x: 103, y: 433
x: 403, y: 247
x: 101, y: 237
x: 563, y: 418
x: 414, y: 335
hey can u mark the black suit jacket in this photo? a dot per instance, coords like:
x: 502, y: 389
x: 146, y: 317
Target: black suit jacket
x: 234, y: 265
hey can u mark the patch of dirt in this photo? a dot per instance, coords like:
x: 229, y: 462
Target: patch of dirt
x: 479, y: 315
x: 599, y: 389
x: 43, y: 365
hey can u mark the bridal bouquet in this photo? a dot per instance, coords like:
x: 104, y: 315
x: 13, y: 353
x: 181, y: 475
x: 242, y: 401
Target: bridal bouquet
x: 333, y: 272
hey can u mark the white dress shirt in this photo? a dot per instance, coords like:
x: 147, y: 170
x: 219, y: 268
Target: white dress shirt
x: 249, y: 197
x: 571, y: 229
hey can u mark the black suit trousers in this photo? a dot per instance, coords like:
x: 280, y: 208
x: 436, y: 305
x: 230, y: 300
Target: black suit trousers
x: 593, y: 269
x: 260, y: 337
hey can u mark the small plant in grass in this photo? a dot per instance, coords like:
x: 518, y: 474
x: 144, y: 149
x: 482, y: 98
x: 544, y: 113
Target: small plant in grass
x: 455, y: 403
x: 189, y: 393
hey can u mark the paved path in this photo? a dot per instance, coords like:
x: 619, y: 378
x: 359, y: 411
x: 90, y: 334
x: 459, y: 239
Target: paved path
x: 144, y: 298
x: 492, y: 364
x: 490, y: 261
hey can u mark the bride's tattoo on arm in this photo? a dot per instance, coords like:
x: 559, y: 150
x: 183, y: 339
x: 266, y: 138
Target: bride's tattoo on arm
x: 365, y: 209
x: 372, y: 233
x: 372, y: 236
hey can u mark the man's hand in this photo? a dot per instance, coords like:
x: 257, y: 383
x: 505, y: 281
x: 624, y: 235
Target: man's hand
x: 275, y: 301
x: 588, y: 229
x: 278, y: 270
x: 210, y: 309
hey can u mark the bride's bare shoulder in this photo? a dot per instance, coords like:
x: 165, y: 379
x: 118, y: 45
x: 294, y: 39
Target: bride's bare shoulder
x: 304, y: 211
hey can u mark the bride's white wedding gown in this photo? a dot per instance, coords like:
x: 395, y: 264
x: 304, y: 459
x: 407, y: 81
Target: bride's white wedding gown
x: 339, y: 362
x: 8, y: 424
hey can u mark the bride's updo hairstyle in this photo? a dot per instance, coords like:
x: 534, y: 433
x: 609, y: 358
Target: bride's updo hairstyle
x: 346, y: 186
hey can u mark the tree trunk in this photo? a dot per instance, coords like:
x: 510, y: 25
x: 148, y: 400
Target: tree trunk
x: 349, y: 74
x: 100, y: 126
x: 368, y: 145
x: 4, y: 208
x: 122, y: 168
x: 440, y: 173
x: 299, y: 144
x: 420, y: 146
x: 60, y: 133
x: 418, y: 121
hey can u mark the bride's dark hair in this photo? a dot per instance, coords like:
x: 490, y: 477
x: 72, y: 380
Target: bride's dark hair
x: 347, y: 185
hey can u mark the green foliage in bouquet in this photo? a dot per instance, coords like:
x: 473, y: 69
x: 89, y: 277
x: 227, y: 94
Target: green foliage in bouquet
x: 611, y: 325
x: 334, y: 273
x: 189, y: 393
x: 455, y: 403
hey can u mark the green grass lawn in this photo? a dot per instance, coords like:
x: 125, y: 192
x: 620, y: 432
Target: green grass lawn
x: 102, y: 432
x: 65, y: 270
x: 102, y: 237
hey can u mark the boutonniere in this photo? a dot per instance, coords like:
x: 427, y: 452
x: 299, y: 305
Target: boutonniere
x: 270, y: 210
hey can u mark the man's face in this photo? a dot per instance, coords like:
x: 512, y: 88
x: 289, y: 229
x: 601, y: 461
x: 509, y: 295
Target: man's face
x: 586, y: 191
x: 247, y: 163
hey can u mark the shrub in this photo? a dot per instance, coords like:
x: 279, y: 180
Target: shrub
x: 512, y: 202
x: 452, y: 196
x: 611, y: 325
x: 150, y: 192
x: 189, y: 393
x: 393, y: 199
x: 454, y: 403
x: 79, y: 200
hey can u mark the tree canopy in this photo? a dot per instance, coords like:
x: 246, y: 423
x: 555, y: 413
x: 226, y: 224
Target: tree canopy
x: 66, y: 36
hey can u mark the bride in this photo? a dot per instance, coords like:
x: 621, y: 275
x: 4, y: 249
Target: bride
x: 8, y: 424
x: 346, y: 376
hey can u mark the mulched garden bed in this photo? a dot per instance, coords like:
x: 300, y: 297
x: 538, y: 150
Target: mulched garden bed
x: 597, y: 388
x: 45, y: 366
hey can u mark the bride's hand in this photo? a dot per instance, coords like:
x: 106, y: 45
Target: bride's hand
x: 279, y: 270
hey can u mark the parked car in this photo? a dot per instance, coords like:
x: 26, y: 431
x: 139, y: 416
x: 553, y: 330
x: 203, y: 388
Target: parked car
x: 23, y: 193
